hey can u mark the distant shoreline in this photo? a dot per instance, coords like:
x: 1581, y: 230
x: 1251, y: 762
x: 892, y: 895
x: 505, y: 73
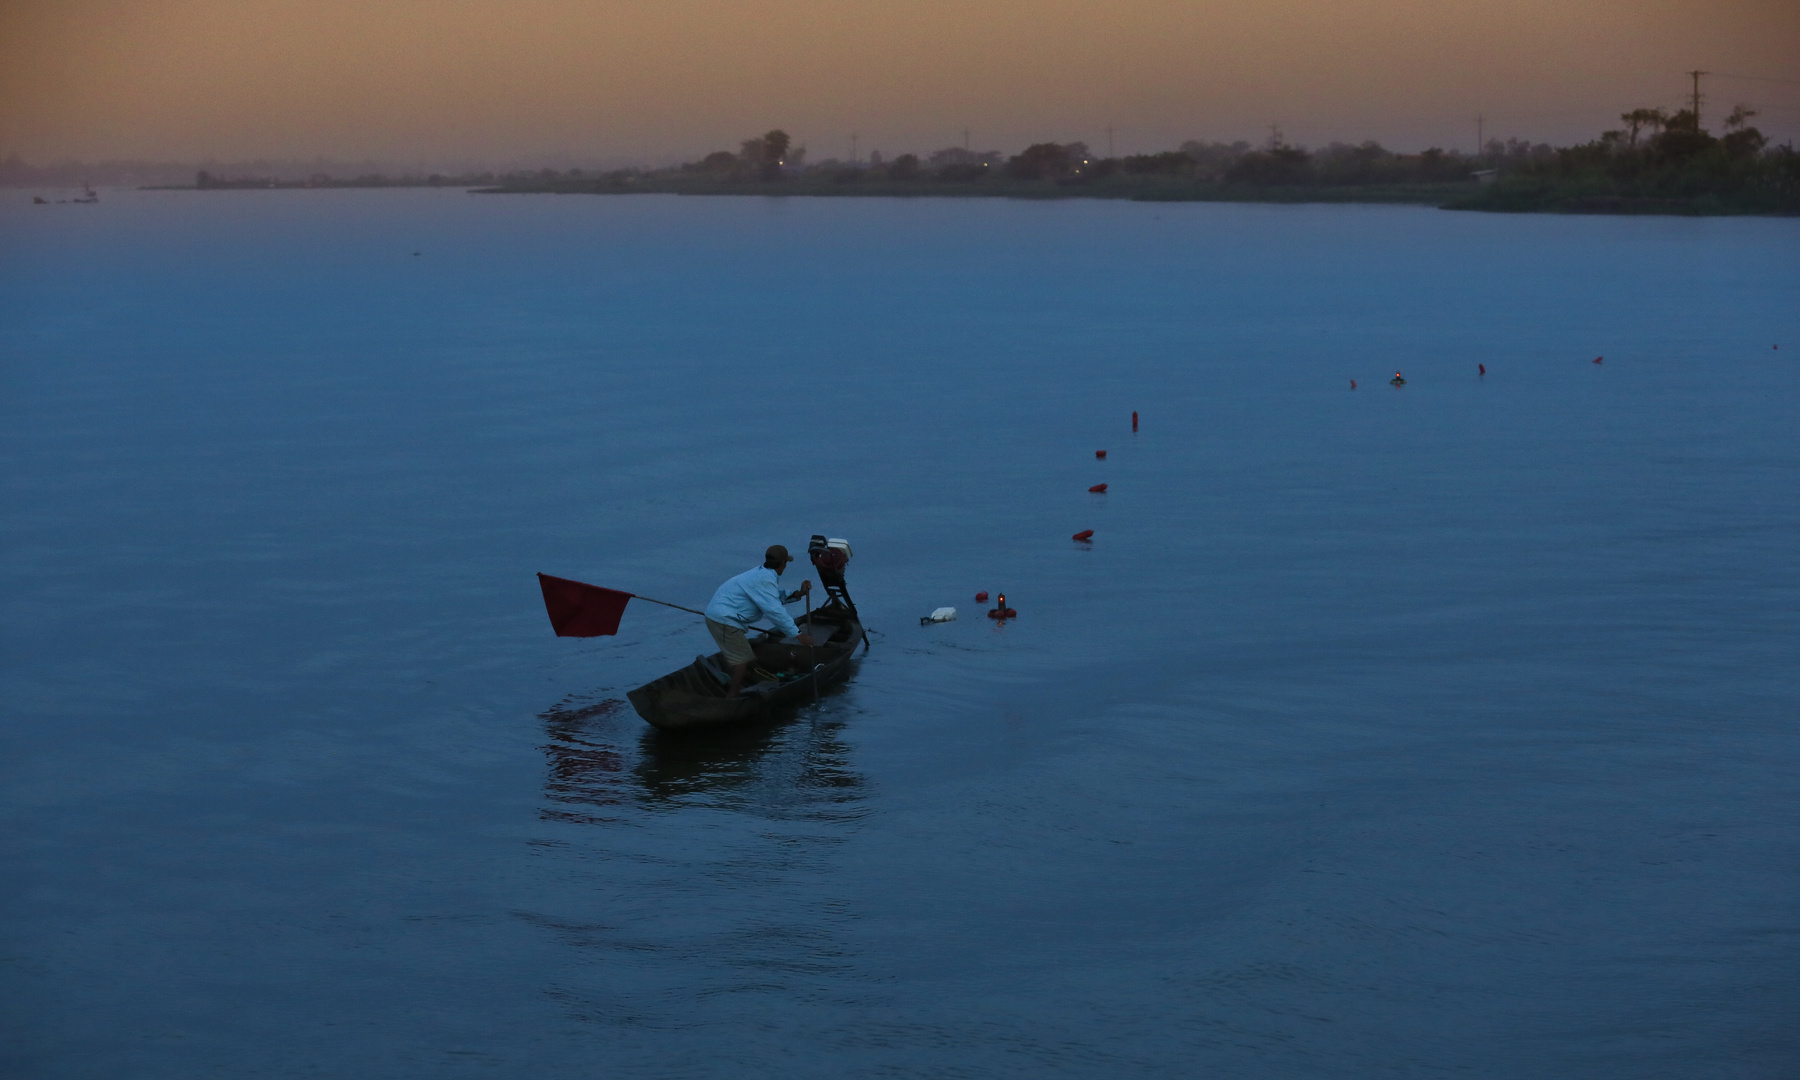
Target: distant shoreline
x: 1120, y: 188
x: 1660, y: 163
x: 1457, y: 195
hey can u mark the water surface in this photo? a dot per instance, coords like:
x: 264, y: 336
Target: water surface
x: 1408, y: 732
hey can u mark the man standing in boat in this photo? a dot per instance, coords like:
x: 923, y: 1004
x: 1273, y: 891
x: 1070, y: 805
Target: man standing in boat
x: 743, y: 600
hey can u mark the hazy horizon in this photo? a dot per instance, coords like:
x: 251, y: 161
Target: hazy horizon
x: 466, y: 83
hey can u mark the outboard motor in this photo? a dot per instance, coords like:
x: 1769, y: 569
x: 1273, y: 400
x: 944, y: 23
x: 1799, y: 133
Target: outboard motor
x: 830, y: 555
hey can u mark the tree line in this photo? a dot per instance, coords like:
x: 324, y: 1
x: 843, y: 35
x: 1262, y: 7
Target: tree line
x: 1657, y: 161
x: 773, y: 158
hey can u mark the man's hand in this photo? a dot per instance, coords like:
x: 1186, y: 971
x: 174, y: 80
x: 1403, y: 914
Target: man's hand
x: 805, y: 587
x: 804, y: 639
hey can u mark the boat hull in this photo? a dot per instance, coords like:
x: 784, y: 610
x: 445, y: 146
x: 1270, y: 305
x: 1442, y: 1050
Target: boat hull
x: 693, y: 697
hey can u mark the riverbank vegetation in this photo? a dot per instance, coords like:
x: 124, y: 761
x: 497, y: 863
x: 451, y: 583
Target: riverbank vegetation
x: 1657, y: 163
x: 1196, y: 171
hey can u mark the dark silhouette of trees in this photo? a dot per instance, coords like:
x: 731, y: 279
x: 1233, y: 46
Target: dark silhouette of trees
x: 1274, y: 167
x: 962, y: 172
x: 1681, y: 168
x: 765, y: 155
x: 1212, y: 159
x: 1437, y: 167
x: 1039, y: 161
x: 1681, y: 138
x: 1365, y: 163
x: 1740, y: 139
x: 1639, y: 119
x: 1169, y: 162
x: 956, y: 155
x: 1656, y: 158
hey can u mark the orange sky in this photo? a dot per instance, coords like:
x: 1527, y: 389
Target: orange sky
x: 446, y: 81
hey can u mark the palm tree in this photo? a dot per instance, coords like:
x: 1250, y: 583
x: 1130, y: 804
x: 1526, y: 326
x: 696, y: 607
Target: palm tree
x: 1654, y: 119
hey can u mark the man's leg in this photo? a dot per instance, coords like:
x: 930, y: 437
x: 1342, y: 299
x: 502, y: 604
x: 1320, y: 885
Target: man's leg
x: 734, y: 649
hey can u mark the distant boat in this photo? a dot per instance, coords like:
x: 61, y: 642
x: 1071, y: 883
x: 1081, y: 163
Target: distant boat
x: 88, y: 195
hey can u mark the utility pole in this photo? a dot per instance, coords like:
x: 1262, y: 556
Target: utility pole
x: 1696, y: 77
x: 1274, y: 136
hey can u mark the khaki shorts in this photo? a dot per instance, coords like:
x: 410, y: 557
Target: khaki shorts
x: 734, y: 646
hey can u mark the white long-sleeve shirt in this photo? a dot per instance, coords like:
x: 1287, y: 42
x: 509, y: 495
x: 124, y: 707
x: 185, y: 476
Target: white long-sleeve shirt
x: 748, y: 597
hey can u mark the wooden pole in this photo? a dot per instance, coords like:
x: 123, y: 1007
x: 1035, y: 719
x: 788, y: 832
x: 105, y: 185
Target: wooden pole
x: 812, y: 658
x: 691, y: 611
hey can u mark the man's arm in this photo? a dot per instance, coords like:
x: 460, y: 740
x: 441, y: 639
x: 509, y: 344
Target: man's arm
x: 768, y: 600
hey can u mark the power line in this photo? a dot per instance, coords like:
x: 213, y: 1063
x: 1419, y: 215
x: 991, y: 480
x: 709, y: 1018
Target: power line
x: 1753, y: 78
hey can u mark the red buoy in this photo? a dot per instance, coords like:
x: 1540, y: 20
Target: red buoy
x: 1085, y: 535
x: 1098, y: 489
x: 1001, y: 611
x: 1597, y: 359
x: 1134, y: 419
x: 981, y: 597
x: 1481, y: 369
x: 1352, y: 384
x: 1099, y: 453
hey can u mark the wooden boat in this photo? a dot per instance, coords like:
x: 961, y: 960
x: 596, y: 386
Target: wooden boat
x: 786, y: 674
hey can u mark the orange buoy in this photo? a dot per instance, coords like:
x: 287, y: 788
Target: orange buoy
x: 1134, y: 419
x: 1084, y: 535
x: 1098, y: 489
x: 1352, y: 384
x: 1597, y: 359
x: 981, y: 597
x: 1481, y: 369
x: 1099, y: 453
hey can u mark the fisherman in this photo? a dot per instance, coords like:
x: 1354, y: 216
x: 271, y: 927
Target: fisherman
x: 746, y: 598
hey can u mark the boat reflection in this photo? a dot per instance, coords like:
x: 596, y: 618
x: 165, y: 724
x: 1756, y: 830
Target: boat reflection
x: 604, y: 765
x: 586, y: 782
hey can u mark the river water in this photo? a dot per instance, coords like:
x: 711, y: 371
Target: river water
x: 1448, y: 729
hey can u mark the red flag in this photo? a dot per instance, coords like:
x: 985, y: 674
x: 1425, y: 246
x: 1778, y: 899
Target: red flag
x: 581, y: 610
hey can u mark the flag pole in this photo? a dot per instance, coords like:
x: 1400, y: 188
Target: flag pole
x: 812, y: 658
x: 691, y: 611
